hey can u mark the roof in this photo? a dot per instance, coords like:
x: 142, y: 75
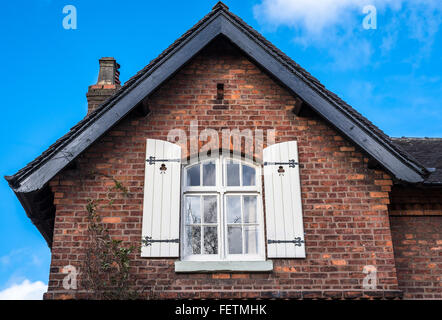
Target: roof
x: 427, y: 151
x: 34, y: 177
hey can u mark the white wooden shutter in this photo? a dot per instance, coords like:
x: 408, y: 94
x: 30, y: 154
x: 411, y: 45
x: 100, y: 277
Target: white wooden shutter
x: 161, y: 208
x: 285, y: 230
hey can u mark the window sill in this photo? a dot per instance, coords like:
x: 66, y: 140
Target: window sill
x: 223, y: 266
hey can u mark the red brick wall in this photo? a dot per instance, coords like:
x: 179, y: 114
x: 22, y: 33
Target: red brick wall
x: 345, y: 204
x: 416, y: 225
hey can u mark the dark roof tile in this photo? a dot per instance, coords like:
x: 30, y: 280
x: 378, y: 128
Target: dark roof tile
x: 427, y: 151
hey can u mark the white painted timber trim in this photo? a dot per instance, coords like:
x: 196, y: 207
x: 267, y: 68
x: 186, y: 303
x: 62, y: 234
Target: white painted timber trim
x: 230, y: 266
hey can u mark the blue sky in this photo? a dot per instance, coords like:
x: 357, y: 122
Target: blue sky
x: 391, y: 74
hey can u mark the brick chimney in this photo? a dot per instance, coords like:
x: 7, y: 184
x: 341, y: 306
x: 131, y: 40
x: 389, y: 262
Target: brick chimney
x: 108, y: 83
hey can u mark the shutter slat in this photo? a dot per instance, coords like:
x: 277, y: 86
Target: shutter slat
x: 280, y: 226
x: 165, y: 204
x: 157, y: 190
x: 283, y: 202
x: 149, y: 181
x: 287, y: 196
x: 297, y: 202
x: 269, y: 201
x: 161, y: 200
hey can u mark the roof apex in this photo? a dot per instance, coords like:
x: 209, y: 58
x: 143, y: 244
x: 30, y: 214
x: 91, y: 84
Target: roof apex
x: 220, y: 5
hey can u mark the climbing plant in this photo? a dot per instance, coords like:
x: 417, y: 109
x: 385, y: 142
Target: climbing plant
x: 106, y: 267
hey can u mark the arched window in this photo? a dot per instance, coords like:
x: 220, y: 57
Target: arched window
x: 222, y: 216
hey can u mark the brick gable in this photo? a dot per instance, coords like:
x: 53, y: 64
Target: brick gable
x: 345, y: 203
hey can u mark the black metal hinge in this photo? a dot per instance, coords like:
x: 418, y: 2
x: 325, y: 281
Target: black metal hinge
x: 147, y: 241
x: 297, y: 241
x: 292, y: 163
x: 152, y: 160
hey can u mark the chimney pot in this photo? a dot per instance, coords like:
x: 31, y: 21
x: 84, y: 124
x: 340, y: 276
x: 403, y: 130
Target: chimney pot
x: 109, y: 73
x: 107, y: 84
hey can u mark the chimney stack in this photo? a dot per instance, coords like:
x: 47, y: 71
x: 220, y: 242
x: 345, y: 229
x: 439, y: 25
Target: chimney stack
x: 108, y: 83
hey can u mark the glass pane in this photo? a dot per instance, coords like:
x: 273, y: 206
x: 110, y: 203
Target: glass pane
x: 209, y: 174
x: 210, y: 209
x: 235, y: 240
x: 210, y: 240
x: 251, y: 240
x: 193, y: 175
x: 250, y: 209
x: 232, y: 173
x: 248, y: 176
x: 192, y: 209
x: 233, y: 209
x: 193, y: 240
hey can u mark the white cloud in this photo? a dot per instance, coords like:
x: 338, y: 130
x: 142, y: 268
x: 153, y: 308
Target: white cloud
x: 24, y: 291
x: 317, y: 15
x: 336, y: 25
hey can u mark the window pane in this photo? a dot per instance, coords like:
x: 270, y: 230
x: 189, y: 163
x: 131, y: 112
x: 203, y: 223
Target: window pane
x: 250, y: 209
x: 251, y: 240
x: 209, y: 174
x: 193, y: 175
x: 232, y: 173
x: 235, y: 240
x: 193, y: 240
x: 192, y: 209
x: 210, y: 209
x: 248, y: 176
x: 210, y: 240
x: 233, y: 209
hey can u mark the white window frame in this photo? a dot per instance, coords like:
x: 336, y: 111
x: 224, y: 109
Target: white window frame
x: 222, y: 191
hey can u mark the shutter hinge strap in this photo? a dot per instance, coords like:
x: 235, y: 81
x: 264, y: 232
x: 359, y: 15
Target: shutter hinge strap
x: 152, y: 160
x: 147, y: 241
x: 292, y: 163
x: 298, y: 241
